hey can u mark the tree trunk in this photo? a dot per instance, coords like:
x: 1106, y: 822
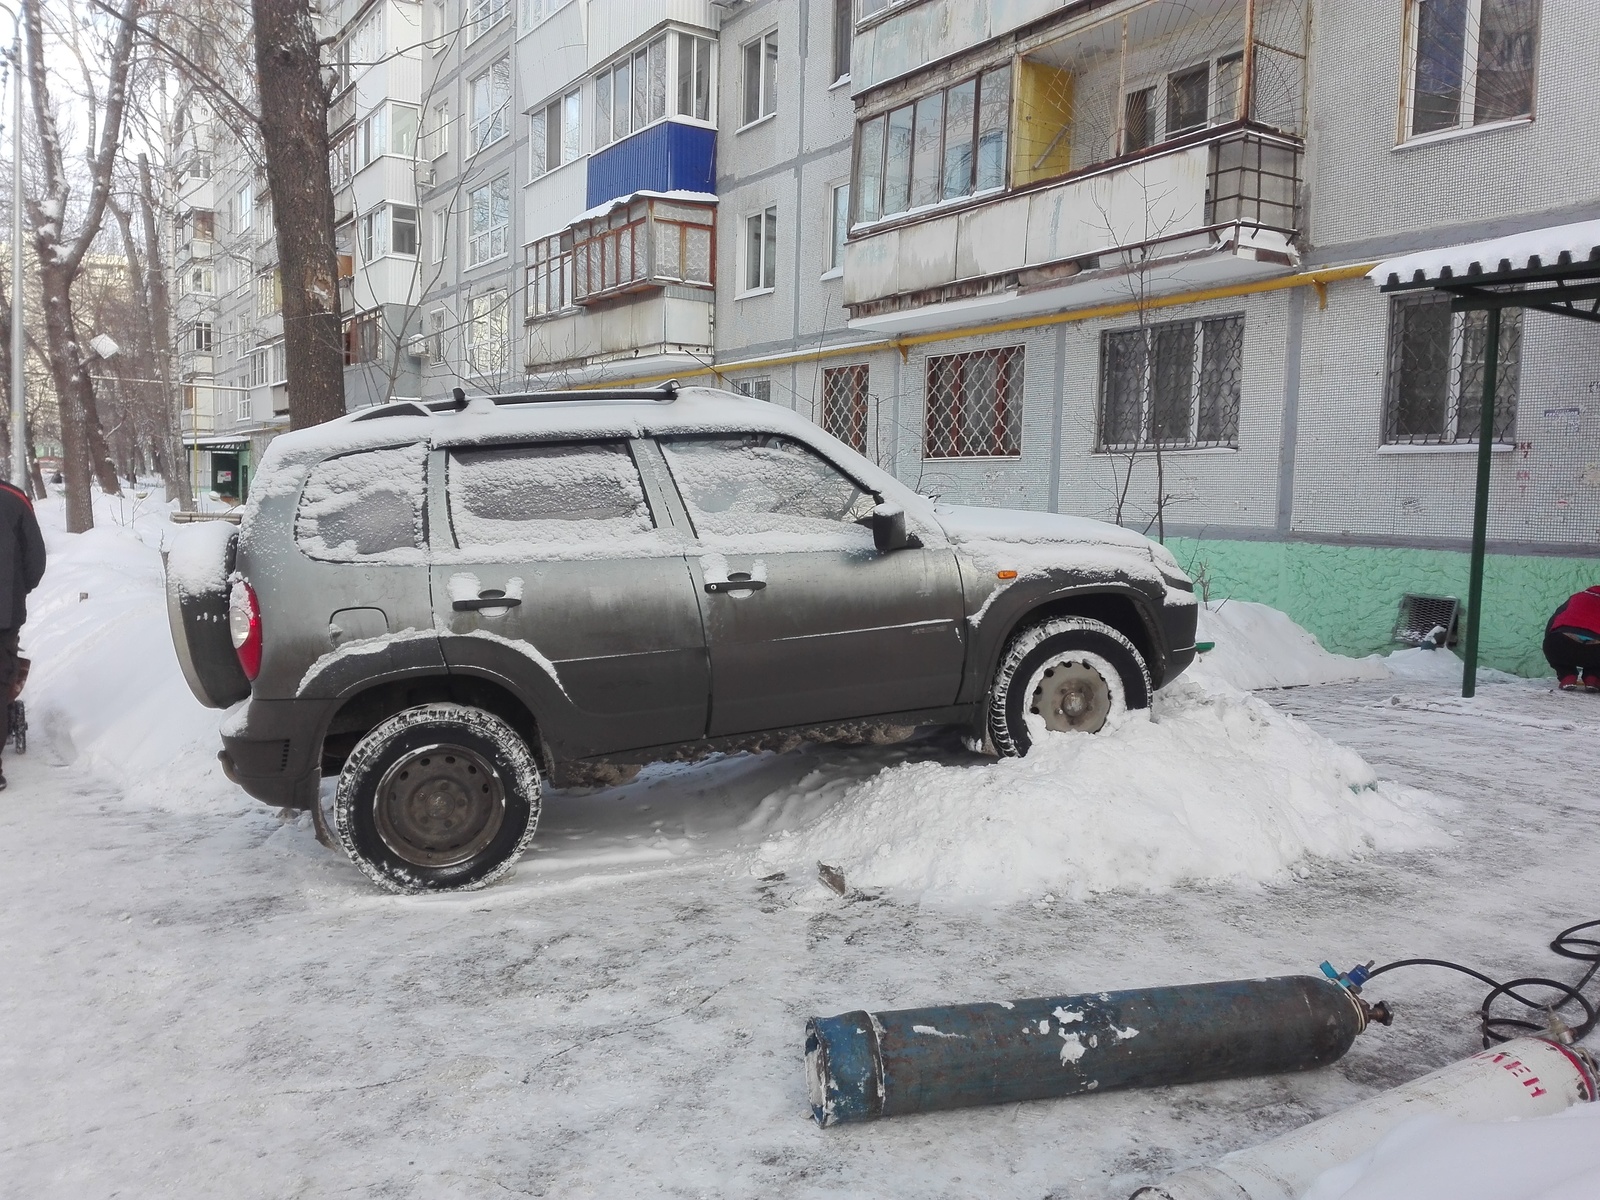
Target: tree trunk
x: 173, y: 460
x: 294, y: 136
x: 83, y: 442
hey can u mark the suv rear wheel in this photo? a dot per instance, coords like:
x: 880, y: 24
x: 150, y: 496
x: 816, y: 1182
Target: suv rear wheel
x: 1064, y: 675
x: 438, y: 798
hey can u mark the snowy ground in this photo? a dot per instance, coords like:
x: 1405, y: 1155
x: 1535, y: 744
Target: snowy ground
x: 199, y: 999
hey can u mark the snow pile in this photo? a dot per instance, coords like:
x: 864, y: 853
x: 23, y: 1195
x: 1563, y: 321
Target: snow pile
x: 105, y: 686
x: 1419, y: 664
x: 1261, y: 647
x: 1544, y: 1158
x: 1211, y: 785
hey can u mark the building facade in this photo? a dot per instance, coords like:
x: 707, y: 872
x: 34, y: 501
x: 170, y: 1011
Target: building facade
x: 1105, y: 257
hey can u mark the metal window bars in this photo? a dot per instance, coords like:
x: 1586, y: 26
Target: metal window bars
x: 844, y: 404
x: 1174, y: 385
x: 1434, y: 386
x: 974, y: 404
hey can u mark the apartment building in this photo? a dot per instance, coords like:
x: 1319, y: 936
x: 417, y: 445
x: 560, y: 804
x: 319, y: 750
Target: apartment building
x: 227, y: 308
x: 1102, y: 256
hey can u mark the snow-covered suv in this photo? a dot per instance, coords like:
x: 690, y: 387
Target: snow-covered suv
x: 443, y: 603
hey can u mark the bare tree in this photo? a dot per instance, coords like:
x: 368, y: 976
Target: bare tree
x: 61, y: 259
x: 294, y: 139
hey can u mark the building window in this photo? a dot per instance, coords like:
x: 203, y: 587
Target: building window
x: 694, y: 76
x: 363, y: 47
x: 760, y: 77
x: 438, y: 26
x: 437, y: 143
x: 844, y: 404
x: 204, y: 223
x: 649, y: 242
x: 363, y: 341
x: 244, y: 407
x: 489, y: 219
x: 487, y: 332
x: 1139, y: 120
x: 631, y: 93
x: 1174, y: 385
x: 975, y: 405
x: 839, y: 224
x: 1470, y: 62
x: 949, y: 144
x: 436, y: 324
x: 247, y: 207
x: 1434, y: 392
x: 535, y: 12
x: 269, y: 293
x: 1230, y: 88
x: 756, y: 389
x: 491, y: 98
x: 870, y: 7
x: 550, y: 275
x: 387, y: 129
x: 200, y: 281
x: 554, y: 129
x: 200, y: 337
x: 761, y: 251
x: 441, y: 231
x: 258, y: 367
x: 843, y: 31
x: 389, y: 229
x: 484, y: 15
x: 1188, y: 99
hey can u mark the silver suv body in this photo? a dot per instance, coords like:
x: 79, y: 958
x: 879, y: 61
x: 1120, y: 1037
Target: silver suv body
x: 627, y: 576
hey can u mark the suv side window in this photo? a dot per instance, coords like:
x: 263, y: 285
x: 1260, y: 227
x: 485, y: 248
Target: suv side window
x: 365, y: 506
x: 763, y: 483
x: 577, y: 495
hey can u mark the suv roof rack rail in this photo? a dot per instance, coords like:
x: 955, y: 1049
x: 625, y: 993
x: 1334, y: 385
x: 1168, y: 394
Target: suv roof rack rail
x: 399, y: 408
x: 662, y: 392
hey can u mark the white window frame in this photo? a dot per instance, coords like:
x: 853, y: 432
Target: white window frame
x: 488, y: 313
x: 441, y: 233
x: 838, y: 227
x: 247, y: 207
x: 567, y: 114
x: 484, y: 15
x: 488, y: 242
x: 620, y: 123
x: 765, y: 48
x: 437, y: 143
x: 1470, y: 64
x: 760, y: 264
x: 489, y: 122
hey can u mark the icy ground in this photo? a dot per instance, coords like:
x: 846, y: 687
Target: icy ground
x: 198, y: 999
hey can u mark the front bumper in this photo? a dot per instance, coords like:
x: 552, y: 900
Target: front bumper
x: 275, y: 752
x: 1178, y: 623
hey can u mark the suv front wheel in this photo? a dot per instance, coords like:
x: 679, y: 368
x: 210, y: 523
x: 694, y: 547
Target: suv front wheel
x: 1063, y: 675
x: 438, y: 798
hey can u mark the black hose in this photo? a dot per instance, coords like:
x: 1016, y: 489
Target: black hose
x: 1502, y: 1029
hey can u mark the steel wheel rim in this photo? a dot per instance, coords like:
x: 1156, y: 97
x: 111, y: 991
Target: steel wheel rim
x: 439, y: 805
x: 1071, y: 697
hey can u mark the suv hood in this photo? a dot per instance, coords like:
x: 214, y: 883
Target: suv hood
x: 1028, y: 541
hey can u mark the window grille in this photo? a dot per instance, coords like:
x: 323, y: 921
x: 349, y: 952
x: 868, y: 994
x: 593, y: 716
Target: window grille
x: 756, y: 389
x: 1175, y: 385
x: 1434, y: 392
x: 975, y: 405
x: 844, y: 404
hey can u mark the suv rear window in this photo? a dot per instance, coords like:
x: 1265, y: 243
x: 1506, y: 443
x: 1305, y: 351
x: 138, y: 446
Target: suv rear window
x: 563, y: 494
x: 365, y: 506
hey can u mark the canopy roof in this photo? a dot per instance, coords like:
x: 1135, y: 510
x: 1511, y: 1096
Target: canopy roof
x: 1551, y: 269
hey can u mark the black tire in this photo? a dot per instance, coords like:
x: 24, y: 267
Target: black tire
x: 438, y: 798
x: 1101, y: 673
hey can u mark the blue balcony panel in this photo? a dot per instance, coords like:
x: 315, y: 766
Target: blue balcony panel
x: 665, y: 157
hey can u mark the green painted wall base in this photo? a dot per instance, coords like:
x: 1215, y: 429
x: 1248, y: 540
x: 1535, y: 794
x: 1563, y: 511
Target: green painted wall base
x: 1349, y: 596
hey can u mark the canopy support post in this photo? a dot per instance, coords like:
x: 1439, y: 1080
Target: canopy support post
x: 1480, y: 509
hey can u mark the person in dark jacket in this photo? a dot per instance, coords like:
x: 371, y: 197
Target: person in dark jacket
x: 21, y: 568
x: 1572, y: 641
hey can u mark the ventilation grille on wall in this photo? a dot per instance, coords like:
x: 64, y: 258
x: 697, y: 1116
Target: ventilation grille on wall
x: 1427, y: 620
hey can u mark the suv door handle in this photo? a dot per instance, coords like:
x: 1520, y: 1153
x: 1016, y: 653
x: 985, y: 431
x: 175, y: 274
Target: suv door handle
x: 486, y: 602
x: 737, y: 581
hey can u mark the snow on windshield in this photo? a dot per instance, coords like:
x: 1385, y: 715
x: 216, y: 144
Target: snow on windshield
x: 757, y: 484
x: 563, y: 495
x: 365, y: 507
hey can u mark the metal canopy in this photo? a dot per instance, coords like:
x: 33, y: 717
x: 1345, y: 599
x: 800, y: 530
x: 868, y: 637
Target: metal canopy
x: 1554, y: 270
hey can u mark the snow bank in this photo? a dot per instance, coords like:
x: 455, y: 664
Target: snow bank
x: 1260, y: 647
x: 1544, y: 1158
x: 1422, y: 665
x: 105, y: 687
x: 1212, y: 785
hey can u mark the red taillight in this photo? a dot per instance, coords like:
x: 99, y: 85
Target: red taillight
x: 244, y: 627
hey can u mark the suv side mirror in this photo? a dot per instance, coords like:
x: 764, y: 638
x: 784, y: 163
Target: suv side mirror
x: 889, y: 529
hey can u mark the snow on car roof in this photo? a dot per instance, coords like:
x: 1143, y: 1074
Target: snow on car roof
x: 1535, y: 249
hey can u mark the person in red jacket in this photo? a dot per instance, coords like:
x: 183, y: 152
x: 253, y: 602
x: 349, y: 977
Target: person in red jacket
x: 1572, y: 641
